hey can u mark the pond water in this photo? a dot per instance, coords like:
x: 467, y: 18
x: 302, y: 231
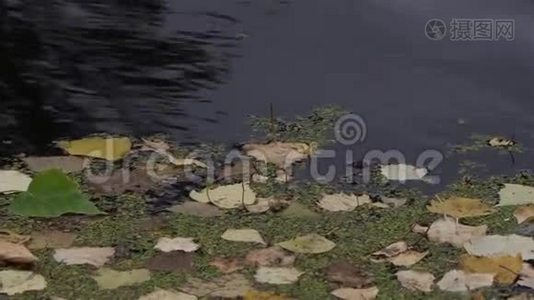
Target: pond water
x: 196, y: 69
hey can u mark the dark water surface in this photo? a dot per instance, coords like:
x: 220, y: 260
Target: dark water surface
x: 196, y: 69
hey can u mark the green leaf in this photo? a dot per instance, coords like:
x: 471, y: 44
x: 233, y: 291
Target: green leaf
x: 52, y: 194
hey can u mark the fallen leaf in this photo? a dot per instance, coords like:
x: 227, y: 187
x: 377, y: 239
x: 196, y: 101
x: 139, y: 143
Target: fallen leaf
x: 499, y: 245
x: 283, y: 155
x: 171, y: 261
x: 416, y: 281
x: 13, y: 181
x: 196, y: 209
x: 343, y: 202
x: 121, y: 181
x: 257, y: 295
x: 52, y: 194
x: 14, y: 282
x: 108, y: 279
x: 226, y: 196
x: 111, y: 149
x: 310, y: 243
x: 392, y: 250
x: 15, y: 253
x: 447, y: 230
x: 177, y: 244
x: 67, y: 164
x: 228, y: 265
x: 500, y: 142
x: 398, y: 254
x: 272, y: 256
x: 356, y: 294
x: 459, y: 281
x: 297, y: 210
x: 227, y: 286
x: 345, y: 274
x: 403, y: 172
x: 516, y: 194
x: 505, y: 268
x: 243, y: 235
x: 160, y: 294
x: 277, y: 275
x: 85, y: 255
x: 51, y: 239
x: 262, y: 205
x: 407, y: 258
x: 459, y: 207
x: 524, y: 213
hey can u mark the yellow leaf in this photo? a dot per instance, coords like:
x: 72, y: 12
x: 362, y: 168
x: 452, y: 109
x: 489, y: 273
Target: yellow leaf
x: 459, y: 207
x: 506, y: 268
x: 111, y: 149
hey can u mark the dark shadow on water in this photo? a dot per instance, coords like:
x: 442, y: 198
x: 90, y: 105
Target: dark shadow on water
x: 78, y: 67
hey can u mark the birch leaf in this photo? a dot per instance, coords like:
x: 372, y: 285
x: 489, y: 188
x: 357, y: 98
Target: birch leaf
x: 458, y: 281
x: 516, y: 194
x: 277, y: 275
x: 343, y: 202
x: 283, y: 155
x: 356, y: 294
x: 108, y: 279
x: 501, y: 245
x: 310, y: 243
x: 160, y: 294
x: 84, y: 255
x: 14, y: 282
x: 15, y: 253
x: 111, y: 149
x: 403, y: 172
x: 13, y: 181
x: 505, y: 268
x: 226, y: 196
x: 177, y: 244
x: 448, y: 231
x: 416, y: 281
x: 243, y: 235
x: 459, y: 207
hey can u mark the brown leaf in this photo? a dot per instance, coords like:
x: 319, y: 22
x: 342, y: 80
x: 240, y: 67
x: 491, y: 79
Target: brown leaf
x: 15, y: 253
x: 273, y: 256
x: 228, y: 265
x: 51, y: 239
x: 345, y: 274
x: 524, y: 213
x: 171, y: 261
